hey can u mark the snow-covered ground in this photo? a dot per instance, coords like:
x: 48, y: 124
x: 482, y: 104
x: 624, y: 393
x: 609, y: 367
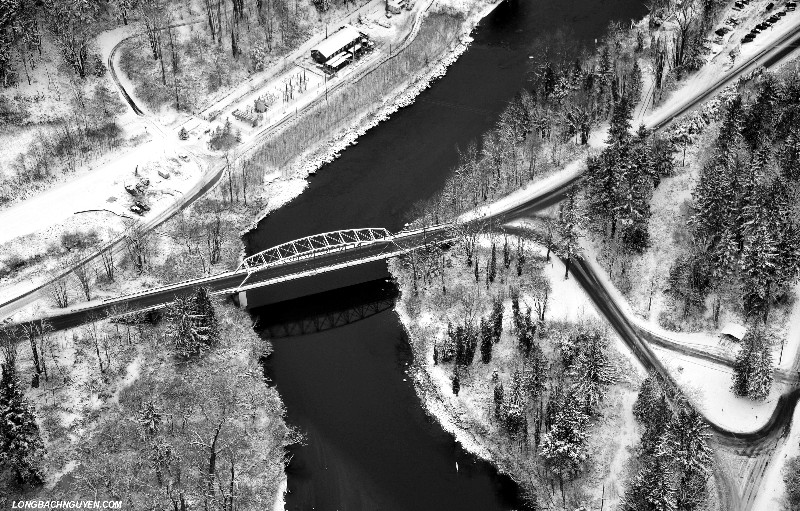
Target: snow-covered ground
x: 791, y: 339
x: 708, y: 385
x: 524, y: 195
x: 89, y: 189
x: 465, y: 415
x: 773, y: 489
x: 102, y: 189
x: 719, y: 64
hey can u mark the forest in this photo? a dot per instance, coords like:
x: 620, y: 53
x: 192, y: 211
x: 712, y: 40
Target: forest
x: 571, y: 92
x: 544, y: 391
x: 172, y: 412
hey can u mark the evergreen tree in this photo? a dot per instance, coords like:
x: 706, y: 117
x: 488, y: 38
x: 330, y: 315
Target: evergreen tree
x: 620, y: 128
x: 685, y: 444
x: 653, y: 412
x: 471, y: 339
x: 791, y: 477
x: 651, y: 489
x: 486, y: 341
x: 634, y: 90
x: 526, y: 333
x: 456, y: 380
x: 498, y: 399
x: 753, y: 366
x: 506, y: 255
x: 789, y: 155
x: 564, y: 446
x: 194, y: 326
x: 492, y: 271
x: 760, y: 118
x: 592, y: 369
x: 497, y: 319
x: 685, y: 441
x: 459, y: 338
x: 690, y: 280
x: 516, y: 317
x: 568, y: 229
x: 536, y: 376
x: 21, y: 446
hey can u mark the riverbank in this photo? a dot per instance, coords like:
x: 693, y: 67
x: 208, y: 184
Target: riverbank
x: 174, y: 251
x: 442, y: 44
x: 467, y: 412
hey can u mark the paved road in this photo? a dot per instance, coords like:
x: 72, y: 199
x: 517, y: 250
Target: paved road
x: 767, y: 57
x: 230, y: 281
x: 215, y: 165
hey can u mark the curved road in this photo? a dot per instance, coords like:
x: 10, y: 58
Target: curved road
x: 763, y: 439
x: 211, y: 177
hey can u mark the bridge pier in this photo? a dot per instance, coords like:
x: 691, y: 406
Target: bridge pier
x: 239, y: 299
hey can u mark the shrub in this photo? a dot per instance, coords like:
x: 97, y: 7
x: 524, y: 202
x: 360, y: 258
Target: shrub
x: 79, y: 240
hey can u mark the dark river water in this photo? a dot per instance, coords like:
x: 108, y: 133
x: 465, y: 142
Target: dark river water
x: 369, y: 444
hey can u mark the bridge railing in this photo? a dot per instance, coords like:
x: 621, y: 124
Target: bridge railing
x: 311, y: 246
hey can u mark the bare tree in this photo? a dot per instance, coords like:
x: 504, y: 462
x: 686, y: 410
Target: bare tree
x: 95, y: 334
x: 137, y: 242
x: 59, y: 291
x: 685, y: 17
x: 84, y: 278
x: 107, y: 257
x: 214, y: 238
x: 37, y: 334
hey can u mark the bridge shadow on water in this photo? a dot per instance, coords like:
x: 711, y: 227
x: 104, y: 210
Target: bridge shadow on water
x: 325, y: 311
x: 341, y: 363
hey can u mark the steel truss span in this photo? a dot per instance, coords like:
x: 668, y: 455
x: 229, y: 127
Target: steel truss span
x: 311, y: 245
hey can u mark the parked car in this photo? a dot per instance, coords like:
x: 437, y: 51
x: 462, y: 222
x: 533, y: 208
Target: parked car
x: 142, y: 205
x: 136, y: 209
x: 769, y: 7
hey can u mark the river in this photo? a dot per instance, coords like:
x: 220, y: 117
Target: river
x: 369, y: 443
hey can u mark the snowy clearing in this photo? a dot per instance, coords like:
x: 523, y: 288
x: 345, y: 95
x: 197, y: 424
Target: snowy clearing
x: 708, y: 385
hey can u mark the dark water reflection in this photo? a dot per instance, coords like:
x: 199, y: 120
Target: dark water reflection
x: 370, y: 445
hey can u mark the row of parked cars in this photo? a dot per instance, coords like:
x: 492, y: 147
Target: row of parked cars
x: 767, y: 23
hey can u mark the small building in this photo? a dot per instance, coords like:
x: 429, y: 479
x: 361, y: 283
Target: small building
x: 338, y: 42
x: 733, y: 331
x: 250, y: 118
x: 337, y: 62
x: 394, y: 6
